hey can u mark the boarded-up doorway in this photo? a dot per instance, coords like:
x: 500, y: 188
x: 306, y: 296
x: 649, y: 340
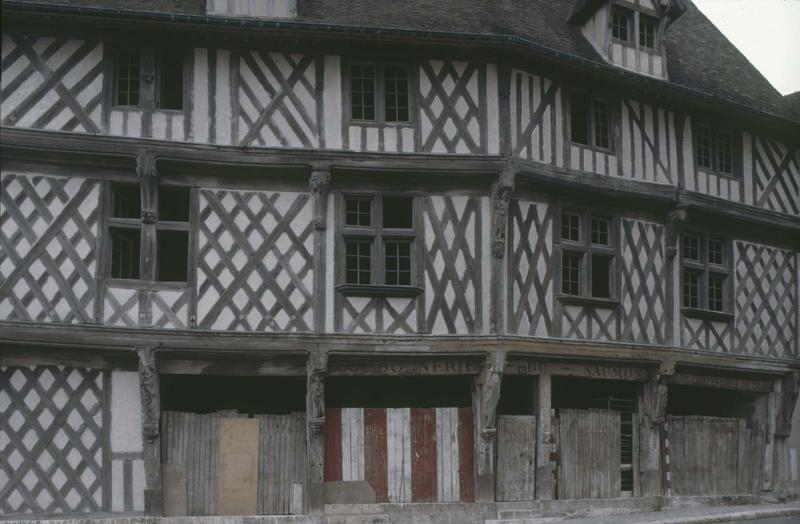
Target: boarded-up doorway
x: 716, y: 455
x: 589, y: 445
x: 516, y: 457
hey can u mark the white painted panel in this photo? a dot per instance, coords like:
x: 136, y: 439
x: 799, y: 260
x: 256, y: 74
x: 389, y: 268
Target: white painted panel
x: 747, y: 167
x: 355, y: 138
x: 493, y: 110
x: 138, y: 485
x: 486, y: 258
x: 600, y: 163
x: 134, y: 123
x: 115, y: 123
x: 559, y: 117
x: 390, y: 139
x: 574, y: 158
x: 159, y: 125
x: 126, y: 412
x: 447, y: 455
x: 222, y: 98
x: 332, y: 102
x: 372, y: 139
x: 200, y: 97
x: 408, y: 139
x: 352, y: 444
x: 398, y: 446
x: 117, y: 491
x: 626, y: 141
x: 588, y: 157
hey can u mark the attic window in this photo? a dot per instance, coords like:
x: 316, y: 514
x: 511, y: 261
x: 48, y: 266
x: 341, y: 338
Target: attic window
x: 590, y: 121
x: 621, y: 19
x: 169, y: 68
x: 648, y: 26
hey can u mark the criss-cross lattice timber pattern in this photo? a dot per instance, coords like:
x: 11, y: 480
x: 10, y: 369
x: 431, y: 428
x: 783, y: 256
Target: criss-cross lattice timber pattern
x: 52, y: 434
x: 52, y: 83
x: 453, y: 264
x: 776, y: 176
x: 48, y: 237
x: 643, y: 290
x: 255, y: 254
x: 395, y: 315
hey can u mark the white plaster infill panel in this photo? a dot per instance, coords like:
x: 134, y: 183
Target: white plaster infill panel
x: 126, y: 412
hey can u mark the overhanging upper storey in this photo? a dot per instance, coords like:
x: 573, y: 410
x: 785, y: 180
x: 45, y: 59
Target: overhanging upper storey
x: 629, y: 33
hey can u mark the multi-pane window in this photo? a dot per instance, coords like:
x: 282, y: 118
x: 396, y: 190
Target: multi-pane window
x: 714, y: 149
x: 587, y: 255
x: 379, y: 239
x: 362, y: 91
x: 128, y: 70
x: 590, y: 120
x: 171, y: 241
x: 621, y: 21
x: 648, y: 26
x: 379, y: 92
x: 165, y: 66
x: 705, y: 272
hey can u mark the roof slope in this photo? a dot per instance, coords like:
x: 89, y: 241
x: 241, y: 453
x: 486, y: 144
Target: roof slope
x: 699, y: 57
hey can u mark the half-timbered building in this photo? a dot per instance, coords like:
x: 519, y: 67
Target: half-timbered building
x: 265, y: 257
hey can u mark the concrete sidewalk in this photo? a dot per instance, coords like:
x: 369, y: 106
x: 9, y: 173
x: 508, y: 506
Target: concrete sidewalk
x: 677, y: 516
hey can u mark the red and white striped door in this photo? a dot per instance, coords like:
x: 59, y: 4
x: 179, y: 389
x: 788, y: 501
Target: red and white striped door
x: 406, y: 454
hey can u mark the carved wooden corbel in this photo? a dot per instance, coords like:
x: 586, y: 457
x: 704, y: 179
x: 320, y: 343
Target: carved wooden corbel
x: 318, y: 184
x: 148, y: 382
x: 674, y: 226
x: 790, y: 386
x: 501, y: 196
x: 491, y: 379
x: 317, y: 369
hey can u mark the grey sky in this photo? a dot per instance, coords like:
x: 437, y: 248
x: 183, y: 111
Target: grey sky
x: 767, y: 32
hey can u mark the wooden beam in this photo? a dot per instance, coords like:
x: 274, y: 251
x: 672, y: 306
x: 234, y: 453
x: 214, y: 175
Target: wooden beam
x: 487, y: 393
x: 315, y: 429
x: 151, y: 415
x: 318, y: 185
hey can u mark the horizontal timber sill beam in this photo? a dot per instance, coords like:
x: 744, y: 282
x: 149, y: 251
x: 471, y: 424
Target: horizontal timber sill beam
x: 41, y: 146
x: 92, y: 338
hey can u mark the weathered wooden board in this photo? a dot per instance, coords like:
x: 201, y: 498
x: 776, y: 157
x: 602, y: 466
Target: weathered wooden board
x: 406, y: 454
x: 192, y: 440
x: 589, y: 453
x: 238, y: 466
x: 282, y: 462
x: 715, y: 455
x: 516, y: 457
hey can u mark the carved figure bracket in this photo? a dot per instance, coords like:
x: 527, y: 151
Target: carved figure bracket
x: 148, y: 182
x: 501, y: 197
x: 148, y: 383
x: 674, y: 225
x: 318, y: 185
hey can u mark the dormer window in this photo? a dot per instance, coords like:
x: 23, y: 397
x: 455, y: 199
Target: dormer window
x: 621, y: 22
x: 648, y: 26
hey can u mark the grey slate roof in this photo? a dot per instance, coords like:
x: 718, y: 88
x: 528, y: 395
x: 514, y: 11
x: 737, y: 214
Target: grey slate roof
x: 699, y: 56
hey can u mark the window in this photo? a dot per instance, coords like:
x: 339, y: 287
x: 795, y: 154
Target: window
x: 379, y: 240
x: 132, y: 66
x: 590, y: 120
x: 648, y: 26
x: 714, y: 149
x: 379, y: 92
x: 705, y: 272
x: 621, y: 19
x: 171, y: 242
x: 587, y: 255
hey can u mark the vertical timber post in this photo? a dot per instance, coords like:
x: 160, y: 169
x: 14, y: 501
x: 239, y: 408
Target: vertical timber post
x: 151, y: 415
x: 488, y: 394
x: 318, y: 185
x: 148, y: 183
x: 651, y: 420
x: 544, y: 438
x: 501, y: 196
x: 790, y: 387
x: 672, y: 233
x: 315, y: 429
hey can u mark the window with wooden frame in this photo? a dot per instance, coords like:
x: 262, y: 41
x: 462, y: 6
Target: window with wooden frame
x: 127, y: 238
x: 621, y: 23
x: 379, y: 92
x: 706, y: 272
x: 588, y: 255
x: 648, y: 30
x: 149, y: 77
x: 590, y: 120
x: 378, y: 241
x: 716, y: 149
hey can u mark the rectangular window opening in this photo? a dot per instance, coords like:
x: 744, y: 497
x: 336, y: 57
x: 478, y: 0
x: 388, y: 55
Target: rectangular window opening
x: 716, y: 285
x: 396, y: 93
x: 570, y: 227
x: 173, y: 256
x: 125, y: 248
x: 691, y: 247
x: 691, y: 289
x: 715, y: 252
x: 362, y: 91
x: 579, y: 118
x: 397, y: 260
x: 648, y: 26
x: 725, y: 152
x: 358, y: 212
x: 571, y: 273
x: 128, y: 64
x: 169, y: 65
x: 601, y: 275
x: 357, y: 262
x: 704, y: 147
x: 125, y: 201
x: 398, y: 212
x: 600, y: 231
x: 620, y: 23
x: 601, y: 124
x: 173, y: 203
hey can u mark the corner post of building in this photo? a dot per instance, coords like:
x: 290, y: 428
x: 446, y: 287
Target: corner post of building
x: 318, y: 184
x: 488, y: 394
x: 544, y: 438
x: 676, y: 220
x: 653, y: 416
x: 151, y: 416
x: 316, y: 370
x: 790, y: 387
x: 148, y: 184
x: 502, y: 190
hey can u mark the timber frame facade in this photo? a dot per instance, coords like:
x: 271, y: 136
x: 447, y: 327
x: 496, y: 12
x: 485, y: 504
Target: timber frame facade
x: 422, y: 392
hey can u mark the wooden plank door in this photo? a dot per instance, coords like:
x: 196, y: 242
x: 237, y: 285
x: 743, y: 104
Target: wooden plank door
x: 516, y: 458
x: 589, y: 453
x: 282, y: 464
